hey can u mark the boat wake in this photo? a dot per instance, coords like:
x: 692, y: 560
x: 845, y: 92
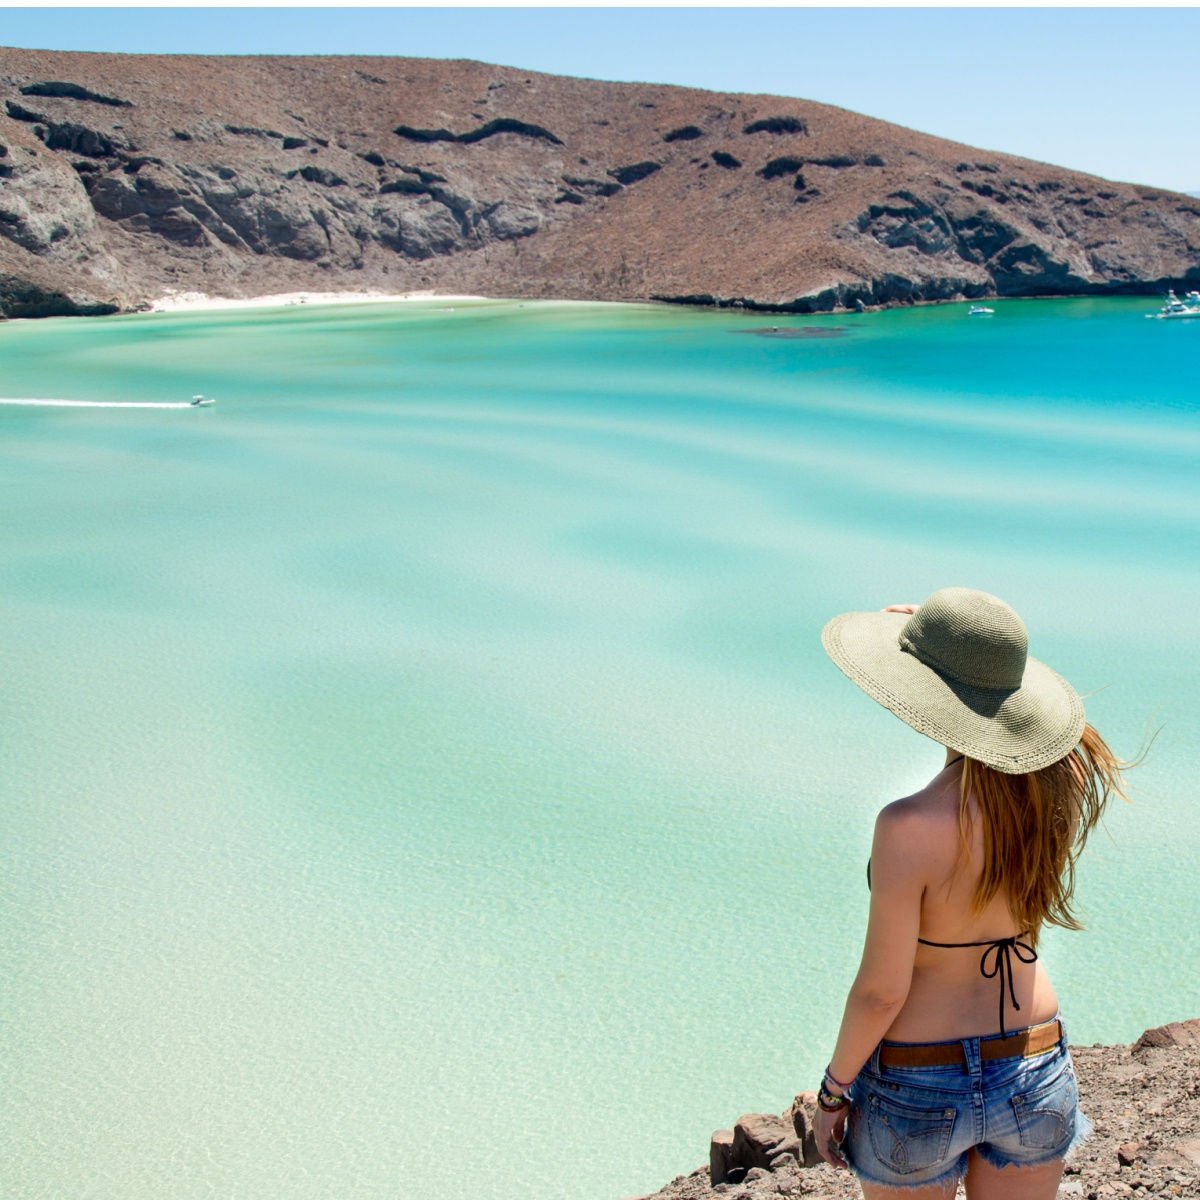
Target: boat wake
x: 17, y: 401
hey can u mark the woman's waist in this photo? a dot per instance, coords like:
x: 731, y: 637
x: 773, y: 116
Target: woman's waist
x: 952, y: 1001
x: 958, y: 1064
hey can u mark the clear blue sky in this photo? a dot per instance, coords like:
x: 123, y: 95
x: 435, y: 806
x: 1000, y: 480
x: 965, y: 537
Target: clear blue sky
x: 1108, y: 91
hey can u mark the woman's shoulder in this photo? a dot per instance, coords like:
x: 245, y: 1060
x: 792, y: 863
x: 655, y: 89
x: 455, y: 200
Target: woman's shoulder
x: 923, y: 821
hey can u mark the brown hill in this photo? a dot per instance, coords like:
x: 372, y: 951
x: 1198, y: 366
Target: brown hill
x: 123, y: 177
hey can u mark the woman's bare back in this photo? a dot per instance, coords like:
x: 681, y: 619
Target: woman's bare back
x: 949, y: 996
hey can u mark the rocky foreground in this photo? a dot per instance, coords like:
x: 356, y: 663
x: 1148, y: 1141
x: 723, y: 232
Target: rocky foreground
x: 1144, y: 1100
x: 124, y: 177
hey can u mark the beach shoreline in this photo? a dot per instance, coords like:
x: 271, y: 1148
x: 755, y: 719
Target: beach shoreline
x: 176, y: 302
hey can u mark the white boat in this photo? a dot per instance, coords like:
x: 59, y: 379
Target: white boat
x: 1178, y: 310
x: 199, y: 401
x: 980, y: 310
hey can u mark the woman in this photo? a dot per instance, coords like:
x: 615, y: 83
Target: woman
x: 952, y: 1060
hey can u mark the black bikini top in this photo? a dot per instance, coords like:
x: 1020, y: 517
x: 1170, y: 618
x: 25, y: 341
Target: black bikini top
x: 996, y: 959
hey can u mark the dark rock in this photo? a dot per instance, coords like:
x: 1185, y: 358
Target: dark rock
x: 909, y: 221
x: 506, y: 221
x: 686, y: 133
x: 720, y: 1152
x: 592, y: 187
x: 423, y: 175
x: 508, y: 125
x: 780, y: 166
x: 500, y: 125
x: 73, y: 91
x: 22, y: 298
x: 376, y: 160
x: 986, y: 189
x: 181, y: 135
x: 798, y: 183
x: 725, y: 160
x: 178, y: 225
x: 874, y: 160
x: 569, y: 198
x: 78, y: 139
x: 756, y: 1138
x: 404, y: 187
x: 803, y: 1111
x: 425, y: 135
x: 834, y: 160
x: 253, y: 131
x: 418, y: 230
x: 634, y: 172
x: 317, y: 175
x: 777, y: 125
x: 20, y: 113
x: 134, y: 165
x: 294, y: 143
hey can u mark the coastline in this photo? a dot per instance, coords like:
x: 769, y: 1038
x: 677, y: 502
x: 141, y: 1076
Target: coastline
x: 175, y: 302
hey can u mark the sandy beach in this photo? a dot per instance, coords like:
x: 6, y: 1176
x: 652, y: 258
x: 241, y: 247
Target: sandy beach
x: 200, y: 301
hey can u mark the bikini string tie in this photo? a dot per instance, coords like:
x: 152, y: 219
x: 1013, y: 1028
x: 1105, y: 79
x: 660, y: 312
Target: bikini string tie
x: 997, y: 960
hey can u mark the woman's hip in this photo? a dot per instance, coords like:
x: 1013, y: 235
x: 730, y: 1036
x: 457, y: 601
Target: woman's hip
x: 918, y: 1108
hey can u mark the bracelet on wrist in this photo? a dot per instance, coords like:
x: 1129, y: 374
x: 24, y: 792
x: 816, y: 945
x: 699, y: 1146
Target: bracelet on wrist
x: 828, y: 1101
x: 835, y: 1080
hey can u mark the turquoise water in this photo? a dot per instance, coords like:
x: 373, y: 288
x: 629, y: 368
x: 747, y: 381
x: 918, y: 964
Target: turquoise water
x: 421, y: 770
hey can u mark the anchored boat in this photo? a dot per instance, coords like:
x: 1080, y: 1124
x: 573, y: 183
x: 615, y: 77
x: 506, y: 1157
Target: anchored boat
x: 1178, y: 310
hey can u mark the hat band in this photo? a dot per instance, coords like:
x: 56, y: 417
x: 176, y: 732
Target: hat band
x: 908, y: 646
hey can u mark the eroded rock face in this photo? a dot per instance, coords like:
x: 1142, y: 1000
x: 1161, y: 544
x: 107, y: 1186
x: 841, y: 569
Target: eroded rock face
x: 272, y: 174
x: 42, y: 203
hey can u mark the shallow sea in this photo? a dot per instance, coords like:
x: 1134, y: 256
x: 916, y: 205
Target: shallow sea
x: 420, y: 770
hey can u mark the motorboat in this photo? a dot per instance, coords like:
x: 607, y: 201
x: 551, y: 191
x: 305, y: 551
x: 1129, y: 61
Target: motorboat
x: 1178, y: 310
x: 199, y: 401
x: 980, y: 310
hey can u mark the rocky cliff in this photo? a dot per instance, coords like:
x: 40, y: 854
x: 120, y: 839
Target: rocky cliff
x: 124, y: 177
x: 1143, y: 1100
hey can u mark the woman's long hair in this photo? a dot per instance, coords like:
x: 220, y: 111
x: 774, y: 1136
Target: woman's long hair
x: 1034, y: 829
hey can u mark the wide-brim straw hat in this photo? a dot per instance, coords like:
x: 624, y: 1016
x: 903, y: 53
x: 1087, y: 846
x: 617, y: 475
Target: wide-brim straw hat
x: 958, y: 670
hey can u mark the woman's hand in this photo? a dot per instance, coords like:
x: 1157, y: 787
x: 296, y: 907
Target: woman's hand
x: 828, y: 1129
x: 902, y: 608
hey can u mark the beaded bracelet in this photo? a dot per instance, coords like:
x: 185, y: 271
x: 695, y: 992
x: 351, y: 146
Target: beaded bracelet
x: 828, y: 1102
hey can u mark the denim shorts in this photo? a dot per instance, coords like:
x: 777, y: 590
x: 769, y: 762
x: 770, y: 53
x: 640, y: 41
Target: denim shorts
x: 911, y: 1126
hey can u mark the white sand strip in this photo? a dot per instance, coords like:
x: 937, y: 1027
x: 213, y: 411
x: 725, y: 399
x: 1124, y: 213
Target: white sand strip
x: 200, y: 302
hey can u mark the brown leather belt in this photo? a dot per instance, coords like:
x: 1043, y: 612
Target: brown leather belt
x: 1028, y: 1042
